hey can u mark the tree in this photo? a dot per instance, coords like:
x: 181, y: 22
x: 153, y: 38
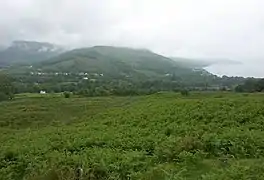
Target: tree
x: 67, y: 94
x: 185, y: 92
x: 6, y: 87
x: 251, y: 85
x: 239, y: 88
x: 260, y: 85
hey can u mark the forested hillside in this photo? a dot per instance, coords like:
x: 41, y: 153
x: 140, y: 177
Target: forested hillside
x: 104, y: 70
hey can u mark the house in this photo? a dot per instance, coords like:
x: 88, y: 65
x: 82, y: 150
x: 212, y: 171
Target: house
x: 42, y: 92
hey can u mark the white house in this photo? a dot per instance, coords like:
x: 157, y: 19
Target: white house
x: 42, y: 92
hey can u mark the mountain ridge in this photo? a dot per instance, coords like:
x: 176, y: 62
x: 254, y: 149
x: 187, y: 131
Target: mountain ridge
x: 115, y: 67
x: 26, y: 52
x: 99, y: 56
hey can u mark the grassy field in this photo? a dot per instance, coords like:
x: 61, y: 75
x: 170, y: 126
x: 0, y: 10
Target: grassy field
x: 165, y: 136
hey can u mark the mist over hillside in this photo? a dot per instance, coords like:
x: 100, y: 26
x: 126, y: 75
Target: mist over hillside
x: 131, y: 90
x: 245, y: 69
x: 27, y: 52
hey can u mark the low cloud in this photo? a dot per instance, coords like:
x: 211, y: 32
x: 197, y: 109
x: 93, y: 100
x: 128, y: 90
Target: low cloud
x: 232, y: 29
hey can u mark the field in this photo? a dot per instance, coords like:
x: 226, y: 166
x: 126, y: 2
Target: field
x: 165, y: 136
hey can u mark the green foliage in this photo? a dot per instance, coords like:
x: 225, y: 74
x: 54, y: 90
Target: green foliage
x: 251, y: 85
x: 6, y: 87
x: 112, y: 61
x: 160, y: 136
x: 3, y: 96
x: 67, y: 94
x: 184, y: 92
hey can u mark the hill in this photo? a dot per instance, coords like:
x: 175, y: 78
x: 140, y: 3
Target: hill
x: 208, y: 136
x: 114, y: 69
x: 27, y: 52
x: 111, y: 60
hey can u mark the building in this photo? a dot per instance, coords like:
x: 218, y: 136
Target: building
x: 42, y: 92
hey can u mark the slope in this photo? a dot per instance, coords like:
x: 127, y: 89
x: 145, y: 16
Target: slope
x: 109, y: 60
x: 158, y: 137
x: 27, y: 52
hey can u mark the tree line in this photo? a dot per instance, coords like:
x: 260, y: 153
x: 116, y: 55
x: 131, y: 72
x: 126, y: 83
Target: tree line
x: 123, y: 87
x: 251, y: 85
x: 6, y: 87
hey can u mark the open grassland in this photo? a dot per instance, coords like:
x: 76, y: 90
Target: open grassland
x: 209, y: 136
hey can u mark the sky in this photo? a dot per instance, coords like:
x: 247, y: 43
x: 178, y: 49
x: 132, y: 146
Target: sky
x: 211, y: 29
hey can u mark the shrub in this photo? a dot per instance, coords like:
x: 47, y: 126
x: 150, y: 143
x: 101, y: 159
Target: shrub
x: 171, y: 149
x: 185, y: 92
x: 67, y: 94
x: 3, y: 97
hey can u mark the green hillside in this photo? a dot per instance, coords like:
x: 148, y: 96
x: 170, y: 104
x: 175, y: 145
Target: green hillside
x: 205, y: 136
x: 104, y: 70
x: 110, y: 60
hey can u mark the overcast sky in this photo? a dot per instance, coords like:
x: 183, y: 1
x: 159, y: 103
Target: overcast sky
x: 232, y: 29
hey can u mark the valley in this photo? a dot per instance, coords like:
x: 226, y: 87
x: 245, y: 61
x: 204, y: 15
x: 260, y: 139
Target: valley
x: 123, y: 113
x: 105, y: 70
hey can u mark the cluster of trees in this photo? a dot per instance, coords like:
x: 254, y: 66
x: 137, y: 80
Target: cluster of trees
x: 113, y: 87
x: 103, y: 87
x: 251, y: 85
x: 6, y: 87
x: 123, y: 85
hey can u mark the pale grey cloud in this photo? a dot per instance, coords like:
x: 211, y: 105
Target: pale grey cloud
x: 232, y: 29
